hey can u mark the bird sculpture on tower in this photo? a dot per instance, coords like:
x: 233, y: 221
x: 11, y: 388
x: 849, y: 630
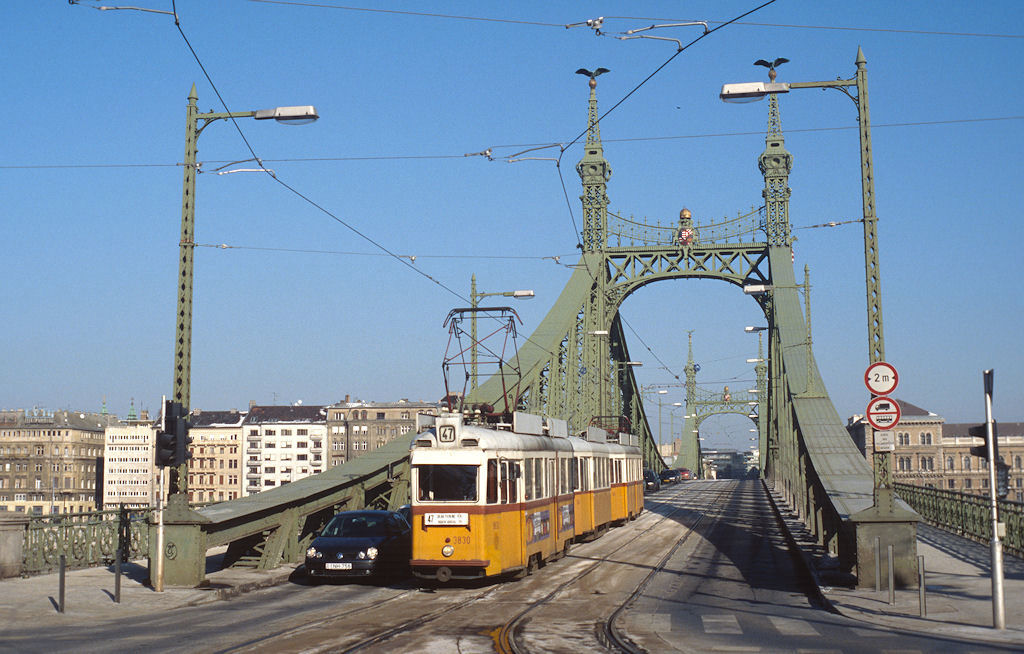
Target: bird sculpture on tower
x: 771, y: 66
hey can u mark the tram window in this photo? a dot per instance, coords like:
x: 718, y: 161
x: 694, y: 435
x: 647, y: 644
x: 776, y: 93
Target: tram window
x: 584, y: 475
x: 492, y: 481
x: 563, y: 478
x: 552, y: 485
x: 538, y: 478
x: 513, y: 485
x: 447, y: 483
x: 504, y: 483
x: 528, y: 480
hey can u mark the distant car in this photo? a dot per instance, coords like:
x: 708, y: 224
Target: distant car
x: 670, y: 476
x: 685, y: 473
x: 651, y: 482
x: 360, y: 544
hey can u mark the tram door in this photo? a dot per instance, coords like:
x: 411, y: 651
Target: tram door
x: 511, y: 540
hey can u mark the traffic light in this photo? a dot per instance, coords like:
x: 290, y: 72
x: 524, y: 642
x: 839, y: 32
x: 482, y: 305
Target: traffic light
x: 181, y: 437
x: 172, y: 438
x: 166, y: 437
x: 979, y: 431
x: 1002, y: 479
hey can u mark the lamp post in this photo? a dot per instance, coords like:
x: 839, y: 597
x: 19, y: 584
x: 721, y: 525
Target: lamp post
x: 183, y: 332
x: 474, y: 301
x: 750, y: 91
x: 672, y: 426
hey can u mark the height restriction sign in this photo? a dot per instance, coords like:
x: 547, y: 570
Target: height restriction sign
x: 881, y: 378
x: 883, y: 413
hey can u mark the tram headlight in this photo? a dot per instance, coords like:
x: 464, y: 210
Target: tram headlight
x: 371, y: 552
x: 447, y: 550
x: 313, y: 553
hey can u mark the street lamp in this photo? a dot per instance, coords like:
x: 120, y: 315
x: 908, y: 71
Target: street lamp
x: 296, y: 115
x: 474, y: 302
x: 747, y: 92
x: 750, y: 329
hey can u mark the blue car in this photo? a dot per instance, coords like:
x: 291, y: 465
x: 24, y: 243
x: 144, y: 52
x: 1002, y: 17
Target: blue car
x: 360, y: 544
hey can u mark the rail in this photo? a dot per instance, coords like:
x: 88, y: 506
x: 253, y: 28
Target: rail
x: 966, y: 515
x: 84, y: 539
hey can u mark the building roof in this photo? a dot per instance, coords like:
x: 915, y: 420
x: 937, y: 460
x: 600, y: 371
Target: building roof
x: 232, y: 418
x: 293, y: 413
x: 42, y: 418
x: 1002, y: 429
x: 908, y: 410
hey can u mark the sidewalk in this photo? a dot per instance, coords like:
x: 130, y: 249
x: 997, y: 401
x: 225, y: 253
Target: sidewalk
x: 89, y: 593
x: 958, y: 597
x: 958, y: 588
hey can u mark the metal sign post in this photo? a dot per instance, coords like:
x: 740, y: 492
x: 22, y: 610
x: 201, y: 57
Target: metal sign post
x: 998, y: 604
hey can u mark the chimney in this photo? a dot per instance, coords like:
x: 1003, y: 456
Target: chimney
x: 252, y: 403
x: 346, y: 398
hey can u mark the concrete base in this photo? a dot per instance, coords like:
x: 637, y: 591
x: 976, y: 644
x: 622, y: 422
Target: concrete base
x: 184, y: 545
x: 12, y: 540
x: 897, y: 531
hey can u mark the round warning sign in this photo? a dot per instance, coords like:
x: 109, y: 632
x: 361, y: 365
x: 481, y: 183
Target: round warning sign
x: 881, y: 378
x: 883, y: 413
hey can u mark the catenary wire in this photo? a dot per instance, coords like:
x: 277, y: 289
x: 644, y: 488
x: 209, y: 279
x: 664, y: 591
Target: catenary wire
x: 400, y: 157
x: 322, y: 5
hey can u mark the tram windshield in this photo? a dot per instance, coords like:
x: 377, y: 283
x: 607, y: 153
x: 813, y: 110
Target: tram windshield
x: 446, y: 483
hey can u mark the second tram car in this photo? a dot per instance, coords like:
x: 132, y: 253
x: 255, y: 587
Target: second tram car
x: 503, y: 498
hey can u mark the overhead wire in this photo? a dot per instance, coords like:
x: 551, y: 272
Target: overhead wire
x: 413, y: 157
x: 324, y: 5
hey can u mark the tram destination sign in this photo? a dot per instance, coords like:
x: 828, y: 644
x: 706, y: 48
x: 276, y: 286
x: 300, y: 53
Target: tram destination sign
x: 883, y: 413
x: 881, y: 378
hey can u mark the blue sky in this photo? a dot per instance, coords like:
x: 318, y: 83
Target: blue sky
x: 301, y: 307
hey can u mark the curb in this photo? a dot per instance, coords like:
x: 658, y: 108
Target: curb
x: 814, y: 590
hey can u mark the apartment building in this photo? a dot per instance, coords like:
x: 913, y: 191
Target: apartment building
x: 50, y: 461
x: 128, y: 476
x: 356, y: 427
x: 283, y: 444
x: 215, y: 472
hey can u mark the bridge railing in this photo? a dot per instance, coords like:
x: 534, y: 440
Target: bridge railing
x: 84, y: 539
x: 966, y: 515
x: 276, y: 526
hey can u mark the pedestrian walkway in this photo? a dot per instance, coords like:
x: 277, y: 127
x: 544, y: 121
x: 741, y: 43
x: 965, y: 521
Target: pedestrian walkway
x: 958, y: 588
x: 958, y: 597
x: 89, y: 593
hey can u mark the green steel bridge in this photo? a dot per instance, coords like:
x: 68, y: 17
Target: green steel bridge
x: 573, y: 367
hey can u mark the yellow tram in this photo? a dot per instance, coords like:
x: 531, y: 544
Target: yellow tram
x: 493, y: 499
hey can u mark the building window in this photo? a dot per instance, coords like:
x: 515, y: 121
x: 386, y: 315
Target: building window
x: 967, y: 483
x: 967, y: 464
x: 949, y: 464
x: 1016, y: 462
x: 926, y: 438
x: 951, y: 483
x: 902, y: 438
x: 927, y: 464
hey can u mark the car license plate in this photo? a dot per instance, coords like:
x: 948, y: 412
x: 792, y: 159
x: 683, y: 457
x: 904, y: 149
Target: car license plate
x: 338, y: 566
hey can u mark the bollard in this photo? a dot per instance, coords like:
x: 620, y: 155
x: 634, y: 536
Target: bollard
x: 117, y: 576
x: 922, y: 605
x: 878, y: 564
x: 60, y: 600
x: 892, y: 580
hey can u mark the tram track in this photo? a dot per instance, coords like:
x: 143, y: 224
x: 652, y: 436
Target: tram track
x: 506, y: 641
x: 397, y: 622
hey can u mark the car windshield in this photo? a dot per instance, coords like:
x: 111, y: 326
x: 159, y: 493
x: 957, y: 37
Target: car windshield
x: 356, y: 526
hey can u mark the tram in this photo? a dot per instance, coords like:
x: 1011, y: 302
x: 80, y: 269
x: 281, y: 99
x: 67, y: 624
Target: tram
x: 506, y: 496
